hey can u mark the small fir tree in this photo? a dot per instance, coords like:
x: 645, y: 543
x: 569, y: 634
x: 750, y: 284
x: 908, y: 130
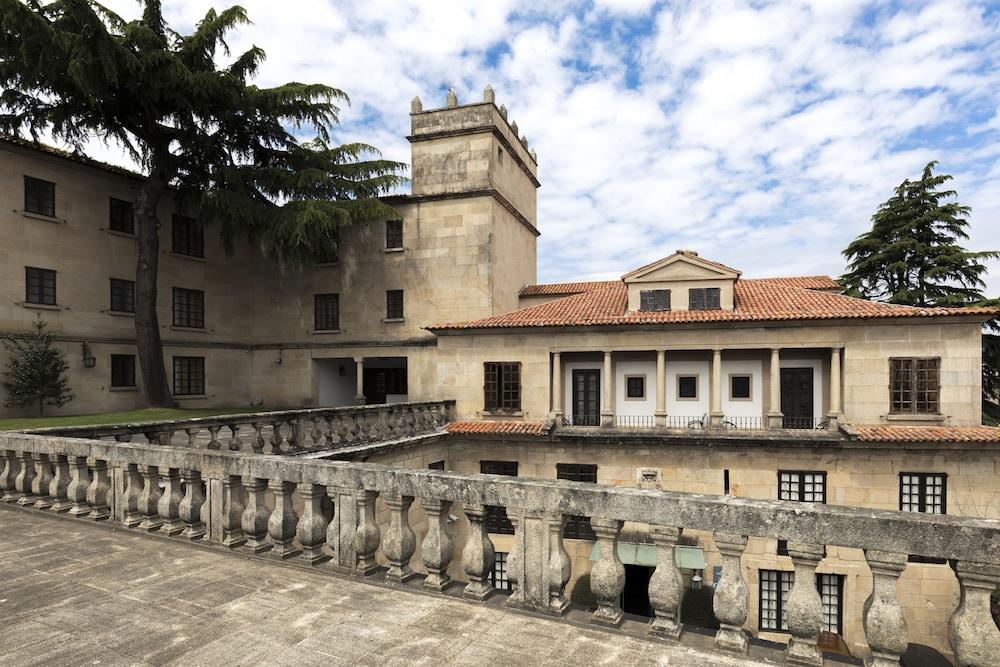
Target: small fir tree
x: 36, y: 371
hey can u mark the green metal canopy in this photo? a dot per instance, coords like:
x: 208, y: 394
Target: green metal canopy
x: 631, y: 553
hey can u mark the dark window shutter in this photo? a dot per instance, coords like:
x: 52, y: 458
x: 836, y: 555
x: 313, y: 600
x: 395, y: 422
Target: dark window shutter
x: 713, y: 298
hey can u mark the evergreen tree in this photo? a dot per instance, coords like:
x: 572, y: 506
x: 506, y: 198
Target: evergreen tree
x: 224, y: 148
x: 912, y: 254
x: 36, y: 371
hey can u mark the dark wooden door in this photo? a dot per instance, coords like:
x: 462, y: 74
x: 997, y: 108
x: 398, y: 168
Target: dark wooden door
x: 797, y: 397
x: 378, y: 382
x: 587, y: 397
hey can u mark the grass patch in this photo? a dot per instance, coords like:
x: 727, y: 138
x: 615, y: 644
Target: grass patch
x: 991, y: 413
x: 146, y: 415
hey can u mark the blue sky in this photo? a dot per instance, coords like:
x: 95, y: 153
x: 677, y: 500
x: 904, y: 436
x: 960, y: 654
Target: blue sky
x: 761, y: 134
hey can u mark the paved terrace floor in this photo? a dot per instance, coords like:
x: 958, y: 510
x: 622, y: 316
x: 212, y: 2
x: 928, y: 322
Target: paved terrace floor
x: 73, y: 593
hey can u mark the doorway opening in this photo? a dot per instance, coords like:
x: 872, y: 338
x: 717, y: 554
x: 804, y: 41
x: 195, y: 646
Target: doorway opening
x: 635, y: 596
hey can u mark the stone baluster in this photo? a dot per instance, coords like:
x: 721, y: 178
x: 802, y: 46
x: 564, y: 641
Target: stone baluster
x: 152, y: 437
x: 258, y: 438
x: 78, y: 485
x: 213, y: 437
x: 666, y: 588
x: 400, y: 541
x: 276, y: 438
x: 190, y: 508
x: 166, y: 436
x: 132, y: 515
x: 232, y: 511
x: 281, y: 524
x: 97, y: 492
x: 730, y: 601
x: 330, y: 432
x: 8, y: 477
x: 343, y: 527
x: 316, y: 433
x: 149, y: 499
x: 972, y: 633
x: 885, y: 626
x: 42, y: 480
x: 169, y: 505
x: 478, y: 556
x: 560, y: 566
x: 60, y: 484
x: 295, y: 442
x: 24, y: 478
x: 235, y: 442
x: 366, y: 540
x: 192, y: 434
x: 437, y: 546
x: 311, y: 530
x: 255, y: 514
x: 805, y: 608
x: 607, y: 578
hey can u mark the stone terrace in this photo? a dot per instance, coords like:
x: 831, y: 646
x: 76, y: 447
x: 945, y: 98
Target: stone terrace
x: 77, y: 593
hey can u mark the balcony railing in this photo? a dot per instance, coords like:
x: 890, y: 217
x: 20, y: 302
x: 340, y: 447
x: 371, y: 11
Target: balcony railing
x: 743, y: 423
x: 220, y: 497
x: 281, y: 432
x: 635, y: 421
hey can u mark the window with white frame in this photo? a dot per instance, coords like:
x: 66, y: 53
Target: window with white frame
x: 498, y: 577
x: 923, y: 492
x: 802, y: 485
x: 774, y: 588
x: 831, y: 593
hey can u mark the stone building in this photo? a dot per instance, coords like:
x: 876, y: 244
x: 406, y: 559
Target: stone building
x: 682, y: 375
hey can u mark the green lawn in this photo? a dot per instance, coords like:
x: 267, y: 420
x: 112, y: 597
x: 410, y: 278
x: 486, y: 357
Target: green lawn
x: 147, y: 415
x: 991, y: 413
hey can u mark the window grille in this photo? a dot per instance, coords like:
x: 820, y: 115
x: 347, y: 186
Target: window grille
x: 39, y: 196
x: 189, y: 376
x: 326, y: 312
x: 189, y: 308
x: 40, y: 286
x: 122, y: 296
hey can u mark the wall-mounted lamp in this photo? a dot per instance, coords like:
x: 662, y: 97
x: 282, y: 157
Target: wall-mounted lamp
x: 89, y: 360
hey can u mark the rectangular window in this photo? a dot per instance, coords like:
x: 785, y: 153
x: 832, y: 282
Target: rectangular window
x: 40, y: 286
x: 578, y: 527
x: 654, y: 299
x: 831, y: 593
x: 189, y: 376
x: 704, y: 298
x: 496, y: 517
x: 122, y: 370
x: 687, y: 387
x: 326, y: 312
x: 394, y: 304
x: 739, y: 387
x: 923, y: 492
x: 635, y: 386
x: 498, y: 576
x: 189, y: 308
x: 122, y: 296
x: 188, y: 236
x: 39, y: 196
x: 915, y: 385
x: 436, y: 465
x: 774, y: 588
x: 122, y: 216
x: 804, y: 486
x: 393, y: 234
x: 503, y: 385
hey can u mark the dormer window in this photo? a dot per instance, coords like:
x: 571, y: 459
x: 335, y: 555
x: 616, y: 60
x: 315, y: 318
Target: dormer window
x: 704, y: 298
x: 654, y: 299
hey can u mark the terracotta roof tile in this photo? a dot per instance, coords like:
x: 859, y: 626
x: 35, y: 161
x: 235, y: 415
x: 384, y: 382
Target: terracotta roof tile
x: 756, y: 301
x: 803, y: 282
x: 926, y: 433
x: 564, y: 289
x: 496, y: 426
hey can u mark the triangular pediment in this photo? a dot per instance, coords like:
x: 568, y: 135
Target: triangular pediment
x: 682, y: 265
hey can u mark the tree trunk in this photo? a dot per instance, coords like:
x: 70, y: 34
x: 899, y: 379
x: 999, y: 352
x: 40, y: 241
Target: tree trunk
x: 147, y: 324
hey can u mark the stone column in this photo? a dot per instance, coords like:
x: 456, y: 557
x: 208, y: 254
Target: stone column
x: 8, y: 476
x: 478, y: 556
x: 774, y: 415
x: 400, y: 542
x: 40, y: 484
x: 311, y: 530
x: 59, y: 485
x: 97, y: 492
x: 342, y: 528
x: 368, y: 535
x: 557, y: 389
x: 169, y: 505
x: 560, y: 567
x: 666, y: 588
x: 149, y: 498
x: 885, y: 626
x: 715, y: 404
x: 232, y: 512
x: 661, y: 389
x: 281, y: 524
x: 608, y: 392
x: 23, y: 481
x: 190, y: 507
x: 730, y: 601
x: 437, y: 546
x: 607, y: 577
x: 836, y: 404
x: 253, y: 521
x: 79, y: 483
x: 805, y: 608
x: 131, y: 514
x: 359, y: 393
x: 973, y: 635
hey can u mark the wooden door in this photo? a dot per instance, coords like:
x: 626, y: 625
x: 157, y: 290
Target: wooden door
x: 797, y: 397
x: 587, y: 397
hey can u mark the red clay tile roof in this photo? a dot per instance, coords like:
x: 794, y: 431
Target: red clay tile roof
x: 757, y: 300
x: 804, y: 282
x: 926, y: 433
x: 564, y: 289
x: 486, y: 426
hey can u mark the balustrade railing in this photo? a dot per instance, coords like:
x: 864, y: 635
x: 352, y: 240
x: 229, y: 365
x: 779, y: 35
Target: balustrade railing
x: 635, y: 421
x: 280, y: 432
x: 218, y: 496
x: 743, y: 423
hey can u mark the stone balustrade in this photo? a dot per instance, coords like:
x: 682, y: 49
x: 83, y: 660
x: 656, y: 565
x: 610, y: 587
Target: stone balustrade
x: 219, y: 496
x: 281, y: 432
